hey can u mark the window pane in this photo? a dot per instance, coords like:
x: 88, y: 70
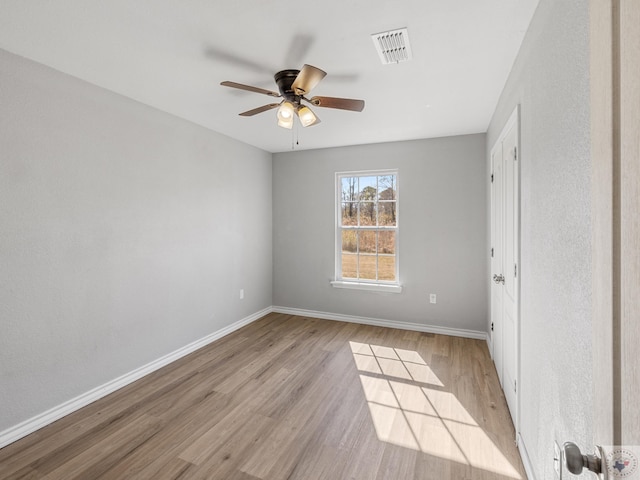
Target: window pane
x: 367, y: 267
x: 349, y: 189
x: 367, y: 241
x: 387, y: 213
x: 387, y: 267
x: 387, y: 242
x: 349, y: 214
x: 349, y: 265
x: 368, y: 214
x: 368, y: 188
x: 349, y: 241
x: 387, y: 187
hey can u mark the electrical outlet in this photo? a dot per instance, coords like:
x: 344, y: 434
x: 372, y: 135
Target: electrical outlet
x: 557, y: 460
x: 432, y: 298
x: 241, y: 293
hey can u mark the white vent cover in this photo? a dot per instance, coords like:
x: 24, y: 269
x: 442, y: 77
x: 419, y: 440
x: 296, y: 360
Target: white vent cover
x: 393, y: 46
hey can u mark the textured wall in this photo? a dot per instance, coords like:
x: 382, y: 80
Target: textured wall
x: 550, y: 80
x: 126, y: 233
x: 442, y: 220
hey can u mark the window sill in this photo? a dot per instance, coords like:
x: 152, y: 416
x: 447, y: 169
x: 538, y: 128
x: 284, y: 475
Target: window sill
x: 373, y: 287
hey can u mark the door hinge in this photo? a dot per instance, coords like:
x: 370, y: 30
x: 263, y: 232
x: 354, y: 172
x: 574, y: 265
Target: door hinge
x: 492, y: 326
x: 491, y: 252
x: 515, y: 270
x: 515, y: 385
x: 515, y: 153
x: 492, y: 178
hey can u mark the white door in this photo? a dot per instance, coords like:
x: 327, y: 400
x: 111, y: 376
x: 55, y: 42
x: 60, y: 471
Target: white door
x: 615, y: 182
x: 615, y: 145
x: 504, y: 262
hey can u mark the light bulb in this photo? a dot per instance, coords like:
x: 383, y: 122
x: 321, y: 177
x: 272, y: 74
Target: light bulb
x: 306, y: 116
x: 285, y: 112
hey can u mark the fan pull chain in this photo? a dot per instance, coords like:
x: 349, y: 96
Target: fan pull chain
x: 295, y: 135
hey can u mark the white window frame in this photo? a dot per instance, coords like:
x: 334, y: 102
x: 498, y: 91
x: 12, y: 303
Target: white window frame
x: 373, y: 285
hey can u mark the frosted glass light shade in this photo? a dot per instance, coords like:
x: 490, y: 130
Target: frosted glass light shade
x: 285, y: 115
x: 306, y: 116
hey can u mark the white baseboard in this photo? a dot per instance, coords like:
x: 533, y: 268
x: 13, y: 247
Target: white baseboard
x: 526, y: 461
x: 455, y: 332
x: 31, y: 425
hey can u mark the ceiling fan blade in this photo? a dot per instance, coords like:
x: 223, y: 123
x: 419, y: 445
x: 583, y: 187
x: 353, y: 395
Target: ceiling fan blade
x: 255, y: 111
x: 220, y: 55
x: 250, y: 88
x: 298, y: 48
x: 341, y: 103
x: 308, y: 78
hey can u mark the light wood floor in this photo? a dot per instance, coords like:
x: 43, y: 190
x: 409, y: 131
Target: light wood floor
x: 292, y: 398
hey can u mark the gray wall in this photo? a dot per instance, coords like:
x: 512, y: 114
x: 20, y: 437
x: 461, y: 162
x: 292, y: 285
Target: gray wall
x: 442, y: 220
x: 550, y: 79
x: 126, y: 234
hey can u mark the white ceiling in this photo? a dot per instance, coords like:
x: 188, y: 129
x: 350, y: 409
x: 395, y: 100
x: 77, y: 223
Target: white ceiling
x: 173, y: 54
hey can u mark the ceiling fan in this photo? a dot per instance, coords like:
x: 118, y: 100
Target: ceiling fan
x: 293, y: 86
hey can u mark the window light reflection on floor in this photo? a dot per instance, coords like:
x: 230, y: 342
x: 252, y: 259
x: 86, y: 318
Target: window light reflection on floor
x: 422, y: 417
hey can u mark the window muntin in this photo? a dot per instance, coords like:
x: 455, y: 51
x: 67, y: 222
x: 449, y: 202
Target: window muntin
x: 367, y: 230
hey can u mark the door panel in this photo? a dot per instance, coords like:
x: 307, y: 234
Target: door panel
x: 510, y: 295
x: 496, y: 259
x: 505, y: 244
x: 615, y: 198
x: 615, y: 140
x: 629, y: 189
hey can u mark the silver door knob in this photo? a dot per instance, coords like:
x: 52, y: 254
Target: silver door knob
x: 576, y: 461
x: 498, y: 278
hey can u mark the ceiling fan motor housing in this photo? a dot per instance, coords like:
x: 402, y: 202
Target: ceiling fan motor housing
x: 284, y: 79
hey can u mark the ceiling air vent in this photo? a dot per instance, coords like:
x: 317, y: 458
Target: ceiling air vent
x: 393, y: 46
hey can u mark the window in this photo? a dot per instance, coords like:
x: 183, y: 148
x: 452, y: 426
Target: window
x: 367, y: 230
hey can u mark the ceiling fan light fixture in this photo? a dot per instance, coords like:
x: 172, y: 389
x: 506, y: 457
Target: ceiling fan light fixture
x: 285, y: 115
x: 306, y: 116
x: 293, y: 84
x: 285, y: 112
x: 286, y: 123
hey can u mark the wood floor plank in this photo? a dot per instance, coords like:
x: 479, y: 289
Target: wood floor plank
x: 227, y: 453
x: 238, y: 420
x: 25, y: 473
x: 276, y: 457
x: 397, y: 463
x: 156, y: 454
x: 317, y: 464
x: 93, y: 461
x: 173, y: 469
x: 256, y: 364
x: 294, y: 398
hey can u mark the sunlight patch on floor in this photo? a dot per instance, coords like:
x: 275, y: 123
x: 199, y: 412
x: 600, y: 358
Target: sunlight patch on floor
x: 422, y: 417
